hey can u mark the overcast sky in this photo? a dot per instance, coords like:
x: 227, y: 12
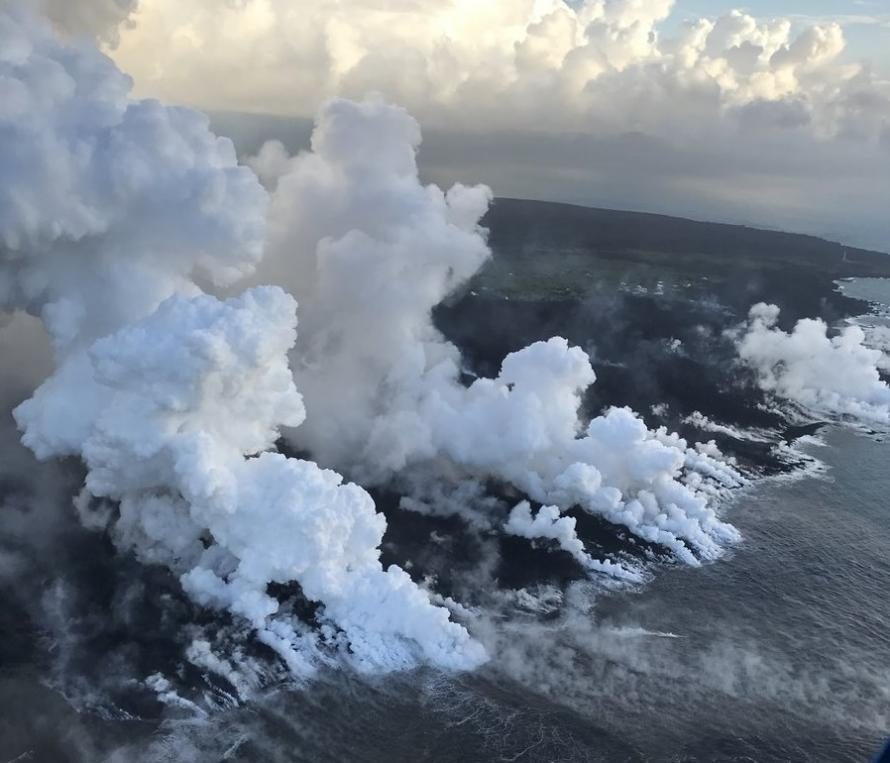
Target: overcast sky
x: 776, y: 115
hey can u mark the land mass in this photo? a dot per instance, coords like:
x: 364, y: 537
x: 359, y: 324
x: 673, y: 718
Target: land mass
x: 651, y: 298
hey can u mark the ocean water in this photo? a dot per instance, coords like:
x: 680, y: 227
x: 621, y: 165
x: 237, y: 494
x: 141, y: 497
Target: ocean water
x: 874, y: 290
x: 780, y: 651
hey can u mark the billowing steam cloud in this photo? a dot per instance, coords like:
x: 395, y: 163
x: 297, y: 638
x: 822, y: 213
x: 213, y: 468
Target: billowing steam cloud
x: 548, y: 524
x: 369, y: 252
x: 837, y: 375
x: 110, y: 208
x: 107, y: 206
x: 192, y: 395
x: 116, y: 215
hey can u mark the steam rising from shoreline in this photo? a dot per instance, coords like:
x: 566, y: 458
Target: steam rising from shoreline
x: 123, y: 205
x: 837, y: 375
x: 118, y: 215
x: 369, y: 252
x: 193, y: 394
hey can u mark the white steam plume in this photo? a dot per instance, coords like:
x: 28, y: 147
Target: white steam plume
x: 109, y: 211
x: 549, y: 524
x: 115, y: 212
x: 370, y: 251
x: 107, y: 205
x: 193, y: 397
x: 837, y: 375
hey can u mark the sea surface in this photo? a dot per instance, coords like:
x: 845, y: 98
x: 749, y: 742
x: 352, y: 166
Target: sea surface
x: 779, y: 651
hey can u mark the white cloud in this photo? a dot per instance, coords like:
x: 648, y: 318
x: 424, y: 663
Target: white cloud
x: 487, y: 65
x: 99, y: 19
x: 845, y: 19
x: 834, y: 375
x: 742, y: 110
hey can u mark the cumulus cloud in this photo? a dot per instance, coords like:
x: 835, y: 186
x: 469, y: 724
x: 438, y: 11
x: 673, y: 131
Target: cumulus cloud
x: 614, y: 103
x: 830, y: 375
x: 595, y: 64
x: 92, y: 19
